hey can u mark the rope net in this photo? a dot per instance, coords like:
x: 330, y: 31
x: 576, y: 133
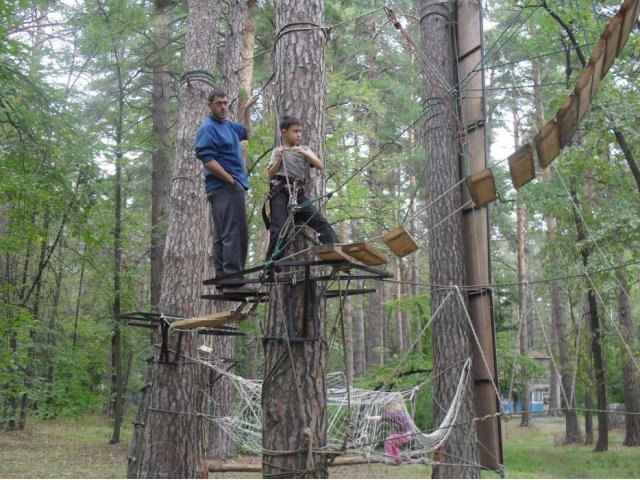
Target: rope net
x: 378, y: 425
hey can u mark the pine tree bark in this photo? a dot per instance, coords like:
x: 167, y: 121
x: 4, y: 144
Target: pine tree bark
x: 294, y: 390
x: 220, y: 446
x: 234, y: 44
x: 347, y: 324
x: 451, y: 345
x: 596, y: 332
x: 400, y: 321
x: 558, y: 317
x: 170, y: 442
x: 375, y: 329
x: 588, y: 370
x: 521, y: 215
x: 160, y: 162
x: 117, y: 379
x: 359, y: 353
x: 248, y: 48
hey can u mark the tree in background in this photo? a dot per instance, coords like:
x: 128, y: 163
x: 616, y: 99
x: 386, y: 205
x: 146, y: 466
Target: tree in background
x: 173, y: 445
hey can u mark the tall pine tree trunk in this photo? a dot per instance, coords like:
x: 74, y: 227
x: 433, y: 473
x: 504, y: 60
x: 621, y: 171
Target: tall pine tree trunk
x: 220, y: 446
x: 160, y: 162
x: 521, y: 216
x: 359, y: 348
x: 234, y: 46
x: 595, y: 328
x: 170, y: 441
x: 451, y: 345
x: 117, y: 374
x: 629, y: 368
x: 347, y: 324
x: 294, y: 428
x: 588, y: 373
x: 572, y: 426
x: 375, y: 329
x: 248, y: 47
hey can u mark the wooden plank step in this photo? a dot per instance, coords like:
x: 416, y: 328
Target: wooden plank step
x: 583, y: 91
x: 400, y: 241
x: 482, y: 187
x: 612, y: 35
x: 521, y: 166
x: 365, y: 253
x: 331, y: 252
x: 597, y: 59
x: 213, y: 320
x: 567, y: 119
x: 548, y: 144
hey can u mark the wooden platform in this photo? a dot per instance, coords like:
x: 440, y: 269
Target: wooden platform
x: 213, y: 320
x: 365, y: 253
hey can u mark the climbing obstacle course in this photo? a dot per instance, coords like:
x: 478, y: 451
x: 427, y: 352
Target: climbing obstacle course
x: 355, y: 418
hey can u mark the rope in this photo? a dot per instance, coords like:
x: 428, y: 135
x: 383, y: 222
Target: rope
x: 203, y: 76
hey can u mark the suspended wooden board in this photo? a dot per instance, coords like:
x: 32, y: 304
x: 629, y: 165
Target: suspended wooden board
x: 567, y: 119
x: 556, y: 134
x: 547, y: 144
x: 521, y: 166
x: 583, y: 91
x: 612, y: 36
x: 213, y: 320
x: 597, y: 58
x: 482, y: 187
x: 331, y: 252
x: 365, y: 253
x: 400, y: 241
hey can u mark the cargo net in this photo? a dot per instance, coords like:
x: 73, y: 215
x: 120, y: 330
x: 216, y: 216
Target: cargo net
x: 375, y: 424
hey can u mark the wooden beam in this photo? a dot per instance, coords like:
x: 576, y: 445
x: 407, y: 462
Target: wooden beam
x: 219, y: 466
x: 213, y: 320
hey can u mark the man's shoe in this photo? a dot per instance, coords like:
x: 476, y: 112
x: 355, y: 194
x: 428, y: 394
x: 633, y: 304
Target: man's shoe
x: 241, y: 289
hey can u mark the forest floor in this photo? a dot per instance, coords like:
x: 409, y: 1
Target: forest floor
x: 79, y: 448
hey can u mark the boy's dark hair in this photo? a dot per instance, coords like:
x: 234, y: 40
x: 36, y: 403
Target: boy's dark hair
x: 215, y: 94
x: 287, y: 121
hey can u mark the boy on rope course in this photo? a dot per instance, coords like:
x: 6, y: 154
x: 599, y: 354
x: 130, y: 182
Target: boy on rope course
x: 218, y: 147
x: 289, y: 175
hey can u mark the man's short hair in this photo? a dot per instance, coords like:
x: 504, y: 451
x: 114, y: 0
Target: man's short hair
x: 288, y: 121
x: 215, y: 94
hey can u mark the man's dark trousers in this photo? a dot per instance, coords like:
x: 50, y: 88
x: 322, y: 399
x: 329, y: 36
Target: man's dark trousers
x: 307, y: 214
x: 230, y: 235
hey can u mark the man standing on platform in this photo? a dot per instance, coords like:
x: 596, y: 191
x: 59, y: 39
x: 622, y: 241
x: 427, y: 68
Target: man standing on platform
x: 218, y: 147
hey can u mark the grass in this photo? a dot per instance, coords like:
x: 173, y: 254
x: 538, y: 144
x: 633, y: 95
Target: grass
x: 537, y: 452
x: 64, y: 448
x: 79, y: 448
